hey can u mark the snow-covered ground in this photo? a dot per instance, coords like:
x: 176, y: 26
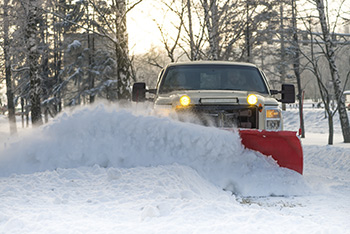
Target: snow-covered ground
x: 105, y: 169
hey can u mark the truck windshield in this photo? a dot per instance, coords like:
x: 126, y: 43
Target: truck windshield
x: 212, y: 77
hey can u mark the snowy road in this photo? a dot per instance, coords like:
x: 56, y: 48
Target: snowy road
x: 106, y: 170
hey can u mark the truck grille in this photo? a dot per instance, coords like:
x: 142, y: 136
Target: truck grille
x: 226, y: 116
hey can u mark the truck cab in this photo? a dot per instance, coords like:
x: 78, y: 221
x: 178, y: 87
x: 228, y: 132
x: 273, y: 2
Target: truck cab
x: 220, y: 94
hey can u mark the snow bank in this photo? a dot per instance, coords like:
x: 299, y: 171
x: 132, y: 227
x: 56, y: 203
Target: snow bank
x: 315, y: 119
x: 103, y: 200
x: 118, y: 138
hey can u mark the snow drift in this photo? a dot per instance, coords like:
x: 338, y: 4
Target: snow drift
x: 113, y: 137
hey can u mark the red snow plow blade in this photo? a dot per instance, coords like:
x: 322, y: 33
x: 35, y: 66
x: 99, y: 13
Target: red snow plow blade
x: 283, y: 146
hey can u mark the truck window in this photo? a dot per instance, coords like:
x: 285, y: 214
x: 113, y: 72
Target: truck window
x: 212, y: 77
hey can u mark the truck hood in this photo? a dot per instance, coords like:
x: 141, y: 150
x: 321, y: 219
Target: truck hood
x: 218, y: 97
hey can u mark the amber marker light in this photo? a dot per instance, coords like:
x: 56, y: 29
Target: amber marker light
x: 185, y: 100
x: 272, y: 114
x: 252, y: 99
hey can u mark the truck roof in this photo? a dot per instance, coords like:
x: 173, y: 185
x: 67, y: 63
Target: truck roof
x: 211, y: 63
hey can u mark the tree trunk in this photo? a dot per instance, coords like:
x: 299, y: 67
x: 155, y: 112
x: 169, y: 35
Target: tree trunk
x: 330, y: 129
x: 212, y: 24
x: 296, y: 68
x: 190, y: 29
x: 58, y: 56
x: 23, y: 111
x: 91, y: 47
x: 247, y: 35
x: 33, y: 62
x: 330, y: 54
x: 121, y: 50
x: 7, y: 59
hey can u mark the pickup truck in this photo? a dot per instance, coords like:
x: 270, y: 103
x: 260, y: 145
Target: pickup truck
x: 232, y: 96
x: 221, y: 94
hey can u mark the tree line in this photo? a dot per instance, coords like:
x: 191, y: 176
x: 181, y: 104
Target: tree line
x: 60, y: 53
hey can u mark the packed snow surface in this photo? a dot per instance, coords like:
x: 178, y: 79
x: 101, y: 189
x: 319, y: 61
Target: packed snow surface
x: 106, y: 169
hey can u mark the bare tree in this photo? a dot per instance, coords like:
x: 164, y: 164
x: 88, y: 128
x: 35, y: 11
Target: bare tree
x: 147, y: 66
x: 212, y: 15
x: 171, y: 32
x: 193, y: 54
x: 296, y: 67
x: 329, y: 52
x: 322, y: 55
x: 7, y: 59
x: 314, y: 61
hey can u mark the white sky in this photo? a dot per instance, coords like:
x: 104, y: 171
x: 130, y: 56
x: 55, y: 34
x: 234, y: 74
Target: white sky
x: 143, y: 31
x: 142, y: 25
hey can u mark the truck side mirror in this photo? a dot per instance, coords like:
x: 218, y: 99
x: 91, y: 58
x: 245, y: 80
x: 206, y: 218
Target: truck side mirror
x: 288, y: 93
x: 138, y: 92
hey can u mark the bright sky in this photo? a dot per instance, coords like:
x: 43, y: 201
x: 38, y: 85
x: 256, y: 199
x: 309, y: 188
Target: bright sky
x: 143, y: 31
x: 142, y: 25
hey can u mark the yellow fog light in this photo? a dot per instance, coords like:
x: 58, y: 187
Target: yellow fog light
x: 185, y: 100
x: 252, y: 99
x: 273, y: 114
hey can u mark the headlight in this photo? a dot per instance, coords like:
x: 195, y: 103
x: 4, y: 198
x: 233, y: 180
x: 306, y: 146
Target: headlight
x: 273, y: 119
x: 252, y: 99
x: 185, y: 100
